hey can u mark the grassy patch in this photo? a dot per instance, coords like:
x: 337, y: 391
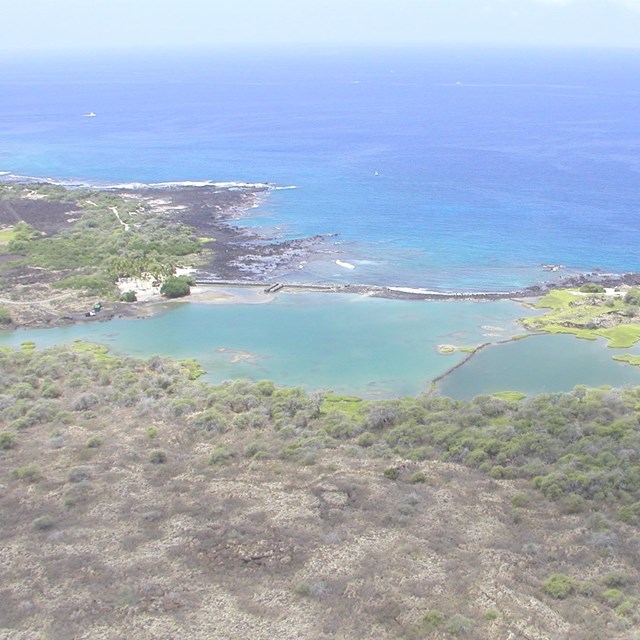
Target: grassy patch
x: 629, y: 359
x: 6, y: 235
x: 509, y: 396
x: 621, y: 337
x: 347, y: 404
x: 558, y: 299
x: 583, y: 317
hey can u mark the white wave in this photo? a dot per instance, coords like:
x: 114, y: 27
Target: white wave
x: 345, y: 265
x: 8, y: 175
x: 449, y: 293
x: 187, y: 183
x: 412, y: 290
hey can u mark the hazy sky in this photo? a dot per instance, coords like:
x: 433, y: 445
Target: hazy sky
x: 87, y: 24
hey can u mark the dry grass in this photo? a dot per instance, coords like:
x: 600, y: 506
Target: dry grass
x: 108, y: 544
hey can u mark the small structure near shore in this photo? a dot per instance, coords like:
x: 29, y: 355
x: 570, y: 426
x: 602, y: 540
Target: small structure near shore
x: 274, y: 288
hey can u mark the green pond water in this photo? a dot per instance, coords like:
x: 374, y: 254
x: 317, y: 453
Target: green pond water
x: 353, y: 344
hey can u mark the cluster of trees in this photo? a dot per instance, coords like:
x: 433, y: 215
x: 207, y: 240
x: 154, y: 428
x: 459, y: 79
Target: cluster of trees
x: 97, y: 249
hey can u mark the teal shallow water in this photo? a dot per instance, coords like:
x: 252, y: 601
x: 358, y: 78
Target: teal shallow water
x: 540, y: 364
x: 353, y: 344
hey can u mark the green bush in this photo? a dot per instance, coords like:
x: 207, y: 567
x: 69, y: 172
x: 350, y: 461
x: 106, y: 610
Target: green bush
x: 93, y: 442
x: 418, y: 477
x: 630, y: 513
x: 175, y: 287
x: 632, y: 297
x: 29, y: 473
x: 614, y: 579
x: 592, y: 287
x: 559, y: 586
x: 129, y: 296
x: 219, y: 455
x: 157, y: 457
x: 5, y: 316
x: 431, y: 619
x: 520, y: 501
x: 613, y: 597
x: 459, y: 625
x: 43, y: 523
x: 391, y: 473
x: 7, y: 440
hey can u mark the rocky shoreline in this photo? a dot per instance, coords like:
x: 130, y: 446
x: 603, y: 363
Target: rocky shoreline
x: 233, y: 255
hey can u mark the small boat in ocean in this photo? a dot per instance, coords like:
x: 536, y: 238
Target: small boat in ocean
x: 375, y: 173
x: 91, y: 114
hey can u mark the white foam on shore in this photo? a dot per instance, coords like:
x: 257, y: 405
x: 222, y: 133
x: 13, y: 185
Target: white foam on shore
x: 188, y: 183
x: 448, y: 294
x: 412, y: 290
x: 15, y: 177
x: 345, y: 265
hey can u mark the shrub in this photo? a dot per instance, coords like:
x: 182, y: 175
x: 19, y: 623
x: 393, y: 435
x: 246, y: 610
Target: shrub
x: 79, y: 474
x: 93, y: 442
x: 614, y: 579
x: 29, y: 473
x: 431, y: 619
x: 43, y: 523
x: 5, y: 316
x: 592, y: 287
x: 630, y: 513
x: 391, y: 473
x: 520, y: 501
x: 85, y: 401
x: 632, y: 297
x: 302, y: 589
x: 51, y: 391
x: 366, y: 439
x: 152, y: 432
x: 129, y: 296
x: 559, y: 586
x: 7, y: 440
x: 613, y: 597
x: 157, y: 457
x: 418, y: 478
x: 219, y: 455
x: 175, y: 287
x: 458, y: 625
x: 627, y: 607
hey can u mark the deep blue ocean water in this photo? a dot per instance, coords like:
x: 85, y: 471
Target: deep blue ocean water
x: 438, y: 168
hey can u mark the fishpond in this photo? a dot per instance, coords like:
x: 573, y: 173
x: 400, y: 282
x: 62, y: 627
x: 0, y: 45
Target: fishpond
x: 372, y: 347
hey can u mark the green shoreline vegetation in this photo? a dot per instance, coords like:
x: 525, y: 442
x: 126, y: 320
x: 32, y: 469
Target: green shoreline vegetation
x: 75, y: 417
x: 590, y: 313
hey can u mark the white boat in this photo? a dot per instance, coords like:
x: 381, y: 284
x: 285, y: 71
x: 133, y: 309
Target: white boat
x: 91, y: 114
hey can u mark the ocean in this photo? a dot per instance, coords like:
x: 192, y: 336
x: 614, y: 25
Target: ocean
x: 448, y: 169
